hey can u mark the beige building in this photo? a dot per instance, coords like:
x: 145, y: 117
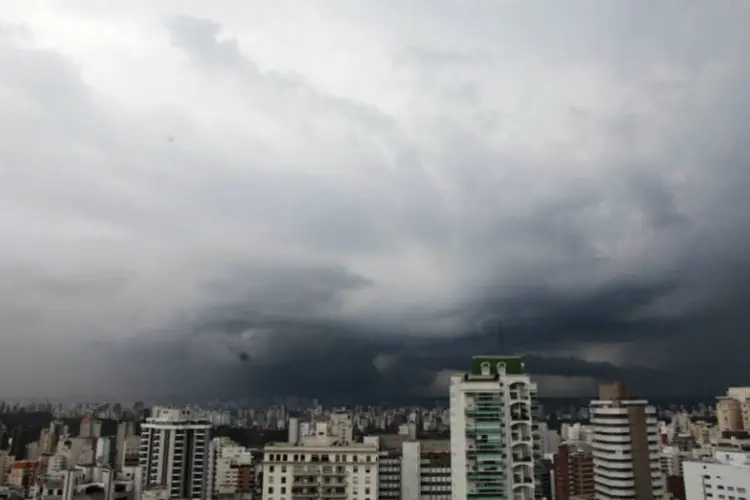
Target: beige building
x: 323, y: 466
x: 733, y: 410
x: 230, y: 468
x: 729, y: 414
x: 321, y: 471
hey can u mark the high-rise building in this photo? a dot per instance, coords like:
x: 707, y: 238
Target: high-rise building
x: 625, y: 446
x: 574, y: 471
x: 495, y: 446
x: 174, y: 452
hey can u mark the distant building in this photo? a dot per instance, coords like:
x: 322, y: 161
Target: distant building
x: 90, y: 428
x: 495, y: 445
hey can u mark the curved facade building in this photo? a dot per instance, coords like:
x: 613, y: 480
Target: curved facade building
x: 625, y: 447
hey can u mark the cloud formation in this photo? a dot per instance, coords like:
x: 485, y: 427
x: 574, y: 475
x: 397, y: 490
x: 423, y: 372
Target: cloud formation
x: 341, y: 200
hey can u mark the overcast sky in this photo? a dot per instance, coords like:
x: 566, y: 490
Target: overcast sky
x: 348, y: 197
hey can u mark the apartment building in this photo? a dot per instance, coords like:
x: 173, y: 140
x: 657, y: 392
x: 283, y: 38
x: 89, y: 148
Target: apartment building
x: 320, y: 470
x: 173, y: 453
x: 495, y: 445
x: 723, y: 476
x: 625, y: 446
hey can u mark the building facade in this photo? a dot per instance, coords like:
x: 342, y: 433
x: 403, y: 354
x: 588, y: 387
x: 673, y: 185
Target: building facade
x: 725, y: 475
x: 625, y: 446
x: 495, y: 445
x: 321, y: 471
x: 411, y: 469
x: 231, y: 469
x: 173, y: 452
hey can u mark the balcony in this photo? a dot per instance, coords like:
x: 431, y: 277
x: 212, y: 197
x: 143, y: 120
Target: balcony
x: 520, y: 480
x: 520, y: 432
x: 333, y: 493
x: 520, y: 410
x: 305, y: 480
x: 523, y: 493
x: 304, y: 492
x: 519, y: 391
x: 333, y: 471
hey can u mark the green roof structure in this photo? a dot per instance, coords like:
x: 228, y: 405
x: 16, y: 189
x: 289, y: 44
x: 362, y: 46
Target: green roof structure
x: 513, y: 364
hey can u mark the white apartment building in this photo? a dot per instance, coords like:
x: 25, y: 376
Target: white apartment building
x: 725, y: 476
x: 323, y: 470
x: 174, y: 452
x: 625, y: 447
x: 495, y: 448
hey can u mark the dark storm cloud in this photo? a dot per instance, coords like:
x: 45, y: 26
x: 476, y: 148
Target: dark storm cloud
x: 355, y: 208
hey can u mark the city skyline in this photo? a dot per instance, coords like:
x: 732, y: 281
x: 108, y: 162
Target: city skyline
x: 495, y: 440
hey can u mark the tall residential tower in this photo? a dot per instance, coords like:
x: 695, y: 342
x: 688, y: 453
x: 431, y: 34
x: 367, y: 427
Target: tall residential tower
x: 626, y: 446
x: 495, y: 445
x: 174, y: 452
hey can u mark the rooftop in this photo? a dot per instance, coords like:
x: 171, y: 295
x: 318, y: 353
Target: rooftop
x: 513, y: 364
